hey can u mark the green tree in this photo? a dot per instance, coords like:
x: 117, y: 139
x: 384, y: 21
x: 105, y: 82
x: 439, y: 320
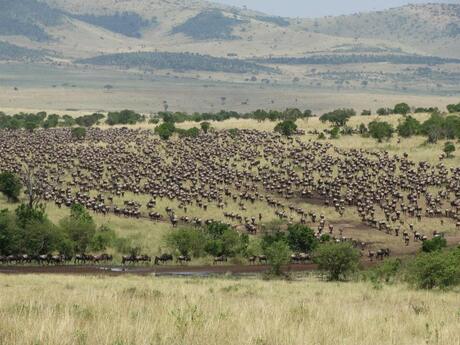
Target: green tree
x: 79, y: 227
x: 165, y: 130
x: 301, y: 238
x: 438, y: 269
x: 338, y: 117
x: 453, y: 108
x: 286, y: 128
x: 78, y: 133
x: 449, y: 148
x: 205, y: 126
x: 408, y: 127
x: 435, y: 244
x: 187, y: 241
x: 380, y: 130
x: 278, y: 254
x: 402, y: 109
x: 10, y: 186
x: 337, y: 259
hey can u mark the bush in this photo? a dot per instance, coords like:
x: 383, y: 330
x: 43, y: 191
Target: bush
x: 79, y: 227
x: 439, y: 269
x: 78, y: 133
x: 10, y: 186
x: 380, y: 130
x: 384, y: 111
x: 453, y: 108
x: 89, y: 120
x: 366, y: 112
x: 401, y: 108
x: 301, y: 238
x: 205, y: 126
x: 386, y: 271
x: 337, y: 259
x: 335, y: 133
x: 409, y: 127
x: 435, y: 244
x: 286, y: 128
x: 124, y: 117
x: 278, y: 254
x: 338, y: 117
x: 187, y: 241
x: 165, y: 130
x: 449, y: 148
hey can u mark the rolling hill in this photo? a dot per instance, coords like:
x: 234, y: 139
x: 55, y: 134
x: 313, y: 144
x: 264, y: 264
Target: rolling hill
x: 415, y: 48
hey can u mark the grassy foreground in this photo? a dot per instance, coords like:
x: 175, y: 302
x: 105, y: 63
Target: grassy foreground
x: 61, y: 310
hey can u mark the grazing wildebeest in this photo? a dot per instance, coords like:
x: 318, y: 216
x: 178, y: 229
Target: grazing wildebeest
x: 163, y: 258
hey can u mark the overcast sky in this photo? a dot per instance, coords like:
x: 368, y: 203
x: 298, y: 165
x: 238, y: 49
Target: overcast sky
x: 319, y: 8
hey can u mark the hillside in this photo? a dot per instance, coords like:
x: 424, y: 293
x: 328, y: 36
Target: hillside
x: 410, y: 49
x: 434, y: 28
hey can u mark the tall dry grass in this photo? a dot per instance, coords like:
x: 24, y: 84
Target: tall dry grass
x: 68, y: 310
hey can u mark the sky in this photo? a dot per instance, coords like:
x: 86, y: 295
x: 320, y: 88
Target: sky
x: 320, y: 8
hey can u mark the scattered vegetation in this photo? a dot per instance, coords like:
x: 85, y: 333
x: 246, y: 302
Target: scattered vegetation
x: 126, y: 23
x: 177, y: 61
x: 209, y: 25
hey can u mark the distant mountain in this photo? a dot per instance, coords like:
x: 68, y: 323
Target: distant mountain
x: 204, y: 36
x: 434, y: 28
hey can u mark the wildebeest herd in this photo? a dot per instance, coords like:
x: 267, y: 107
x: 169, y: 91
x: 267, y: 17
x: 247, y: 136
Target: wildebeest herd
x: 127, y: 172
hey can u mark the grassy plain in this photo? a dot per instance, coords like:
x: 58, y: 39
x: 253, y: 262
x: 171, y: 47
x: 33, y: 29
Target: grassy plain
x: 129, y: 310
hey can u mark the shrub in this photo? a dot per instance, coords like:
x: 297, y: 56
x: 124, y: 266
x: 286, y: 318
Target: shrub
x: 449, y: 148
x: 301, y: 238
x: 278, y: 254
x: 124, y: 117
x: 380, y: 130
x: 435, y: 244
x: 335, y: 133
x: 386, y: 271
x: 10, y: 186
x: 401, y: 108
x: 205, y: 126
x: 187, y: 241
x: 165, y: 130
x: 78, y: 133
x: 337, y: 259
x: 286, y: 128
x: 384, y: 111
x: 89, y: 120
x: 338, y: 117
x: 366, y: 112
x: 453, y: 108
x: 409, y: 127
x: 439, y: 269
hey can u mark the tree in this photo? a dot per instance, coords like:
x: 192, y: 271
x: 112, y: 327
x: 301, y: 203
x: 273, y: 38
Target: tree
x: 335, y: 132
x: 165, y: 130
x: 301, y: 238
x: 78, y: 133
x: 79, y: 227
x: 337, y: 259
x: 409, y: 127
x: 10, y: 186
x: 453, y: 108
x: 278, y: 254
x: 449, y: 148
x: 380, y: 130
x: 438, y: 269
x: 338, y: 117
x: 401, y: 108
x: 384, y: 111
x: 435, y: 244
x: 287, y: 128
x: 30, y: 183
x: 205, y: 126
